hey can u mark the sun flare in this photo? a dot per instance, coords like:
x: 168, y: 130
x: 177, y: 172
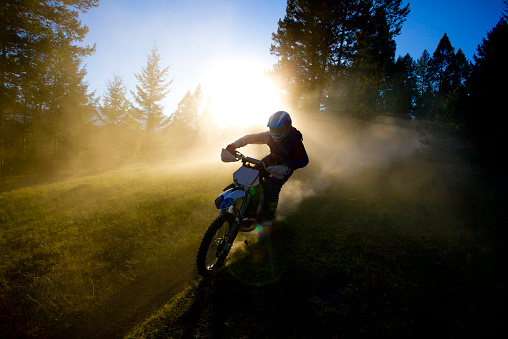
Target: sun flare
x: 241, y: 94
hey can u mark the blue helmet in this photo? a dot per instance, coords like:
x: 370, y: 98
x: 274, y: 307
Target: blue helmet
x: 279, y: 119
x: 279, y: 124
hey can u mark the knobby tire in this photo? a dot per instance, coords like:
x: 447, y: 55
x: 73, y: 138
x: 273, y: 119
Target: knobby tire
x: 212, y: 246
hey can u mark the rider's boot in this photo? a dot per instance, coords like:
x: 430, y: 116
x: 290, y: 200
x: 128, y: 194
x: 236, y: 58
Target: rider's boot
x: 269, y: 214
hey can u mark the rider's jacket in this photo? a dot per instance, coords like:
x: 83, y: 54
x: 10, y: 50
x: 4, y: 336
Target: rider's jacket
x: 289, y: 151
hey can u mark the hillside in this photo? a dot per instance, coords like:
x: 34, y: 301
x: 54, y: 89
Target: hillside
x: 410, y: 248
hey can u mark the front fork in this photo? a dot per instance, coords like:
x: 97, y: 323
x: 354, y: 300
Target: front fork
x: 238, y: 221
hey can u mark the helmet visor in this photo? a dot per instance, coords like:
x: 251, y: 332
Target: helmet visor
x: 278, y: 130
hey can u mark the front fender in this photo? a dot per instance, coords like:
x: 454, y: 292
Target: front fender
x: 228, y: 198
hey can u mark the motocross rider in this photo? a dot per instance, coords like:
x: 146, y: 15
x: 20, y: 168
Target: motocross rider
x: 287, y: 154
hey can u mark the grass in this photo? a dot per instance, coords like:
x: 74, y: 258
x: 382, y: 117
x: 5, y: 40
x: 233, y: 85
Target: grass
x: 413, y: 250
x: 389, y: 253
x: 78, y: 253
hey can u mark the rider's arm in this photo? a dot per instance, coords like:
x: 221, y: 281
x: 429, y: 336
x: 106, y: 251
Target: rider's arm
x: 258, y: 138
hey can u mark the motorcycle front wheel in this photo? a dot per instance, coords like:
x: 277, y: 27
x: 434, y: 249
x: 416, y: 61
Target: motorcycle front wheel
x: 214, y: 247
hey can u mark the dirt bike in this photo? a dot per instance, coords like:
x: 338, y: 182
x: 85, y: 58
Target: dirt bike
x: 240, y: 205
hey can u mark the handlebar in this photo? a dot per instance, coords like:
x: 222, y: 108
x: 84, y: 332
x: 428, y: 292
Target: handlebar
x: 253, y: 161
x: 278, y: 171
x: 249, y: 162
x: 256, y: 164
x: 227, y: 156
x: 245, y: 159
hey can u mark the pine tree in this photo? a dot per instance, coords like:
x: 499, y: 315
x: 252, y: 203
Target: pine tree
x: 449, y: 71
x: 462, y: 70
x: 311, y: 45
x: 442, y: 64
x: 151, y: 90
x: 69, y: 107
x: 424, y: 85
x: 404, y: 87
x: 116, y: 108
x: 371, y: 66
x: 185, y: 121
x: 115, y: 135
x: 41, y: 81
x: 316, y: 42
x: 487, y: 88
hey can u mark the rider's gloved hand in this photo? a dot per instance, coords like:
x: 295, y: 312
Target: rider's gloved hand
x: 278, y: 171
x: 231, y: 149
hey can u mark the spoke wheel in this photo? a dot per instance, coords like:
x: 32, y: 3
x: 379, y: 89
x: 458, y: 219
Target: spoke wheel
x: 214, y: 248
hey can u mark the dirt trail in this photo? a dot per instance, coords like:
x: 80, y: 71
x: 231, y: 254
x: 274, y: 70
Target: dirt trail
x: 136, y: 302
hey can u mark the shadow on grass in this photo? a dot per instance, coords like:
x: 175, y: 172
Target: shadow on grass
x: 385, y: 264
x: 250, y: 297
x: 137, y: 300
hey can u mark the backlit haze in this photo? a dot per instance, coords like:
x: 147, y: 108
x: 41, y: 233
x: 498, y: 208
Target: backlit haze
x: 221, y: 45
x: 241, y: 93
x: 224, y: 45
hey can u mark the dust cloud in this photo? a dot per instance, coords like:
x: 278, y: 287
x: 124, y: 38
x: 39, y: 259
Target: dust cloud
x: 338, y: 149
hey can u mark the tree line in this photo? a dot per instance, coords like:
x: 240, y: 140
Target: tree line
x: 334, y: 57
x: 41, y: 81
x: 48, y: 118
x: 338, y: 57
x: 138, y: 130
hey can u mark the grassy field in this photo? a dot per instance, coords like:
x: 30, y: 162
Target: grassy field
x: 409, y: 250
x: 413, y: 250
x: 90, y: 255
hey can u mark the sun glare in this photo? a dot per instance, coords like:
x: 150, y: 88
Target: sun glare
x: 241, y: 94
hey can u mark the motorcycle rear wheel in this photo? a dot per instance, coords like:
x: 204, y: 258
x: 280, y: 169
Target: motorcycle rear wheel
x: 214, y: 247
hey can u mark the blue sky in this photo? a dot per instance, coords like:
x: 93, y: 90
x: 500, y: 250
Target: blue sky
x: 465, y: 22
x: 194, y: 36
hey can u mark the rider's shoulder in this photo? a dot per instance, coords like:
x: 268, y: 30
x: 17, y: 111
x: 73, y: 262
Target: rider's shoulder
x: 296, y: 134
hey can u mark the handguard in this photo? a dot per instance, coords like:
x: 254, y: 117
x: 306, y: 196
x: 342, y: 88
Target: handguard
x: 278, y: 171
x: 226, y: 156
